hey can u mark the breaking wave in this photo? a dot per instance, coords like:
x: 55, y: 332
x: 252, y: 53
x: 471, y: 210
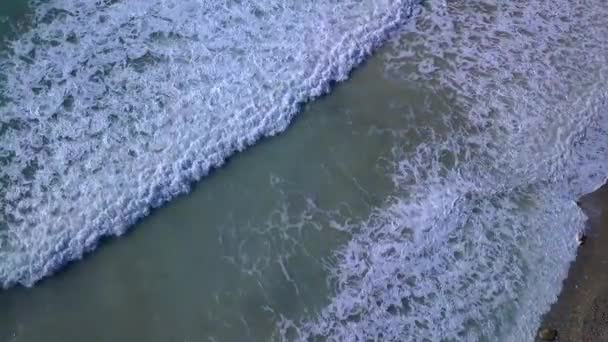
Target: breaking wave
x: 477, y: 241
x: 111, y: 108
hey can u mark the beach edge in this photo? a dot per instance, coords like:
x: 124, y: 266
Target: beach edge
x: 581, y: 310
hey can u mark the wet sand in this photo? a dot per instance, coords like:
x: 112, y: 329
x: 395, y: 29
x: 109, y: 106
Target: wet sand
x: 581, y: 311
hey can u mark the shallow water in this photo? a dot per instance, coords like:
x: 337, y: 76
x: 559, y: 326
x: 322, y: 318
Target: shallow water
x: 430, y: 196
x: 249, y: 245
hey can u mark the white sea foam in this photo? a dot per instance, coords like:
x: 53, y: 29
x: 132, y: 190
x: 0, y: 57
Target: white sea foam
x: 477, y: 244
x: 115, y: 107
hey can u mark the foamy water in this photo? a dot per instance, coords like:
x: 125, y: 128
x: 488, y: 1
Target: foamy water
x: 477, y: 244
x: 115, y: 108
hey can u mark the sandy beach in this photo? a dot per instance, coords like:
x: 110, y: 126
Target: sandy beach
x: 581, y: 311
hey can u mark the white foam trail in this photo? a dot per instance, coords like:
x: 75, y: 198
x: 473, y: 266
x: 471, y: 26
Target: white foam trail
x: 479, y: 241
x: 115, y: 107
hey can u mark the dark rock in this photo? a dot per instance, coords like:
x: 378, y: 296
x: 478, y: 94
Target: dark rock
x: 547, y: 334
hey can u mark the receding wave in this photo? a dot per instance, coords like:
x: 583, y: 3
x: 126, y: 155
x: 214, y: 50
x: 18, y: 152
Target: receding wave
x: 478, y: 240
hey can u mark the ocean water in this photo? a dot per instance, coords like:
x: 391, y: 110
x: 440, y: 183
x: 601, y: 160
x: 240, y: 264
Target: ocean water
x: 431, y: 196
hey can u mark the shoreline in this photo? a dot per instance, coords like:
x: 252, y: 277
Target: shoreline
x: 581, y: 310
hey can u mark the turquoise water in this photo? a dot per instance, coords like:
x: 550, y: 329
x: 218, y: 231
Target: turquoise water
x: 250, y: 244
x: 13, y: 18
x: 429, y: 196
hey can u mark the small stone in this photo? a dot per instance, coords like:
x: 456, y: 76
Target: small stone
x: 547, y: 334
x: 581, y: 238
